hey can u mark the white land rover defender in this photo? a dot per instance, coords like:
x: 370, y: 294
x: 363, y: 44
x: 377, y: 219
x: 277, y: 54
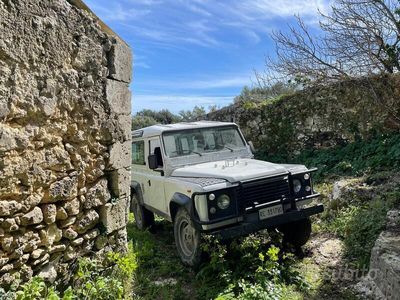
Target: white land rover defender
x: 202, y: 177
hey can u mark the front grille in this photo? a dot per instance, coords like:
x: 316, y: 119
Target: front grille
x: 259, y: 192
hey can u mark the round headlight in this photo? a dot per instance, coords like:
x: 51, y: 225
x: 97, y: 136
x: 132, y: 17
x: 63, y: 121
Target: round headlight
x: 213, y: 210
x: 211, y: 197
x: 306, y: 176
x: 296, y: 185
x: 308, y: 188
x: 223, y: 201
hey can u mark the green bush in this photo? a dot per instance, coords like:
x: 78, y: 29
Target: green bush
x: 95, y: 279
x: 249, y: 267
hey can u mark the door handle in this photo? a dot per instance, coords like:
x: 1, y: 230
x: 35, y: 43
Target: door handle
x: 149, y: 182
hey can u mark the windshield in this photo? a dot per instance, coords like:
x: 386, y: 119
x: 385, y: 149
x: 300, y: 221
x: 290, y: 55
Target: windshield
x: 202, y: 140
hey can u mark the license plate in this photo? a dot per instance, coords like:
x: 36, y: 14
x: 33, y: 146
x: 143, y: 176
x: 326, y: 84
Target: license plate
x: 269, y: 212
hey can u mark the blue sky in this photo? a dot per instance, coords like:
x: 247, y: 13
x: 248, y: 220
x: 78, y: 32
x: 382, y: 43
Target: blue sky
x: 198, y: 52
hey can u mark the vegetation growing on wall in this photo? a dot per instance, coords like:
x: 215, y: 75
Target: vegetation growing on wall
x: 354, y: 159
x: 319, y: 117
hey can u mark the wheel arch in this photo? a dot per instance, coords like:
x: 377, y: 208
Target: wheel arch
x: 137, y: 190
x: 180, y: 200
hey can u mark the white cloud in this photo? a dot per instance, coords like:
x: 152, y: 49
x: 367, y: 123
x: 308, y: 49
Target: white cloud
x: 217, y: 82
x: 202, y: 22
x: 266, y: 9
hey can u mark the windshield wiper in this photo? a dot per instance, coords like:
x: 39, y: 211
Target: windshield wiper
x: 196, y: 153
x: 229, y: 148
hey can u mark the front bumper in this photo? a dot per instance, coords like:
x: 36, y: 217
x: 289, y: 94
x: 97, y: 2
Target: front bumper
x: 251, y: 222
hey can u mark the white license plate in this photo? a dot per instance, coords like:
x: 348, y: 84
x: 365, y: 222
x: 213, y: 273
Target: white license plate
x: 269, y: 212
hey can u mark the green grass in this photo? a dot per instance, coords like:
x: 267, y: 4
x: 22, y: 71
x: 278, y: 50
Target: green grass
x: 245, y: 268
x: 358, y: 224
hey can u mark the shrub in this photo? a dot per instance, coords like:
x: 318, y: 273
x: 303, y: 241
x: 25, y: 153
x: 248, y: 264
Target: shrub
x: 109, y: 278
x: 249, y: 268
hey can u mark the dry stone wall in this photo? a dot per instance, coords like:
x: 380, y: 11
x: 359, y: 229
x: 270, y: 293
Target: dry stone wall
x: 64, y: 137
x: 319, y: 117
x: 383, y: 279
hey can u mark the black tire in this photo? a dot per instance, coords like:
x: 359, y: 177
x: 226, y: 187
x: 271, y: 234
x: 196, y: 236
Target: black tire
x: 143, y: 218
x: 296, y: 233
x: 187, y: 239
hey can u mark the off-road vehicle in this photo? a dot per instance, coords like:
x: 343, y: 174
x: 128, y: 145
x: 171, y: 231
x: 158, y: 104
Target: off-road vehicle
x: 202, y: 177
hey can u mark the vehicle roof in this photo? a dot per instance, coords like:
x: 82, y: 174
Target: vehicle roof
x: 160, y: 128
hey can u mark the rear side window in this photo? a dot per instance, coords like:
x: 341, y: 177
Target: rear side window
x: 138, y: 153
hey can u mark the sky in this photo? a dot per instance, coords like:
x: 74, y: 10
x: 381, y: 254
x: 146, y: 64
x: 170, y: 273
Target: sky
x: 198, y: 52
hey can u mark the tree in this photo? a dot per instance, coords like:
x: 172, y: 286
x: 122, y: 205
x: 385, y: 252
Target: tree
x: 148, y: 117
x: 163, y: 116
x: 359, y: 37
x: 197, y: 113
x: 139, y: 121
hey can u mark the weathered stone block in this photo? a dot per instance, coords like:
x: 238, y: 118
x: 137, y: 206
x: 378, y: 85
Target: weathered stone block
x: 69, y: 233
x: 118, y: 97
x: 121, y: 182
x: 64, y: 189
x: 120, y: 61
x: 8, y: 208
x: 97, y: 195
x: 61, y: 213
x: 120, y: 155
x: 57, y: 248
x: 77, y: 242
x: 87, y: 221
x: 113, y: 215
x: 37, y: 253
x: 72, y: 207
x: 49, y: 213
x: 91, y: 234
x: 50, y: 235
x: 35, y: 216
x: 68, y: 222
x: 48, y: 273
x: 125, y: 126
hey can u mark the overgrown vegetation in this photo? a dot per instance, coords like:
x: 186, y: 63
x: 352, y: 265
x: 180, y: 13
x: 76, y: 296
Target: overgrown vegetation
x: 355, y: 159
x: 95, y: 279
x: 358, y: 222
x: 252, y: 266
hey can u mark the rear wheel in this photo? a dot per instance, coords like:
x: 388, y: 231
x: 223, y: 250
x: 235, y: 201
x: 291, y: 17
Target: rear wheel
x: 187, y: 239
x: 296, y: 233
x: 143, y: 217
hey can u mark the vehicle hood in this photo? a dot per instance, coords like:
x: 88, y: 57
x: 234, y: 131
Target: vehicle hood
x: 235, y: 170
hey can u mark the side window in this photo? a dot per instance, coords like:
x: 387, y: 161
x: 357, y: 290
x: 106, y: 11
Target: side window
x: 154, y: 144
x: 155, y: 148
x: 138, y: 153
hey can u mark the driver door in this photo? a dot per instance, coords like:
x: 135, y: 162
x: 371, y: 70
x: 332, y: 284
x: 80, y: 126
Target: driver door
x: 155, y: 194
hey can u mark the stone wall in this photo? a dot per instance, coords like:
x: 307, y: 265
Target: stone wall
x: 383, y: 279
x: 320, y: 116
x: 64, y: 137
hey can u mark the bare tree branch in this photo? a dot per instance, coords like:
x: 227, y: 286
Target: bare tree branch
x: 359, y: 37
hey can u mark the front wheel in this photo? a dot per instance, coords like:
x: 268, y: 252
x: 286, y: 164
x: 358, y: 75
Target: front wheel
x: 187, y: 239
x: 296, y: 233
x: 143, y: 217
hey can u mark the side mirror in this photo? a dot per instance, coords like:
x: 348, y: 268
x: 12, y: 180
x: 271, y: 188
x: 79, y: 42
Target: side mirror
x: 153, y: 163
x: 253, y: 150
